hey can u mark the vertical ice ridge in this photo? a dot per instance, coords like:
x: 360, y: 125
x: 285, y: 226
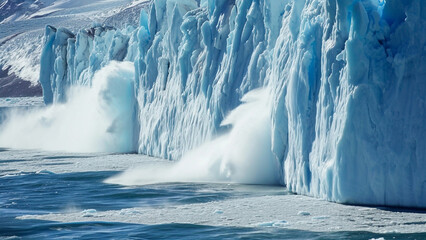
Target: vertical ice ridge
x: 53, y: 73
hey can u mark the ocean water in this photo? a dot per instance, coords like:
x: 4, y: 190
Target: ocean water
x: 37, y: 185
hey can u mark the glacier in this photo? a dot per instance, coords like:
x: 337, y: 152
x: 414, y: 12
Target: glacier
x: 346, y: 81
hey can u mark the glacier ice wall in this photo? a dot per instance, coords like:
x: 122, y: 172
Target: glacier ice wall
x: 194, y: 66
x: 350, y: 112
x: 69, y: 59
x: 347, y: 79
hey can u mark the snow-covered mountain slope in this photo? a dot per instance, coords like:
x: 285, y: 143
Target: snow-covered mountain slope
x: 345, y: 108
x: 11, y: 10
x: 23, y: 23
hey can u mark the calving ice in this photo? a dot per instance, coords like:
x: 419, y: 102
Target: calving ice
x: 345, y: 109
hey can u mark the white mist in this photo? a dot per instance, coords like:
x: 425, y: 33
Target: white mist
x: 95, y: 119
x: 243, y: 155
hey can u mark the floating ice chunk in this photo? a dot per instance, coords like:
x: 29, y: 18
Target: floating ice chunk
x: 88, y: 213
x: 44, y: 172
x: 265, y: 224
x: 217, y: 211
x: 320, y: 217
x: 303, y: 213
x: 129, y: 212
x: 280, y: 223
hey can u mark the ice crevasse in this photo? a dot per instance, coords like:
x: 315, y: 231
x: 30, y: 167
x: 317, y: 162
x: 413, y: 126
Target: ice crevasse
x: 347, y: 82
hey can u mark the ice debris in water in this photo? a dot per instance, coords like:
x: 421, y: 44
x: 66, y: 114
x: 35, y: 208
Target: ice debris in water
x: 88, y: 213
x: 281, y: 223
x: 303, y: 213
x: 217, y: 211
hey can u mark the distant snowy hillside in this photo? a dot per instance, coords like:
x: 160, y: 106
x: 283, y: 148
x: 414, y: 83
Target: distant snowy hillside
x: 11, y: 10
x: 22, y: 24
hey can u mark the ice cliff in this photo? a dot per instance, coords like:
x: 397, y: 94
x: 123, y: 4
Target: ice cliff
x: 347, y: 81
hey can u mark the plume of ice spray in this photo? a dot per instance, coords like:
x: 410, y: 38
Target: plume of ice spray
x: 94, y: 119
x: 243, y: 155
